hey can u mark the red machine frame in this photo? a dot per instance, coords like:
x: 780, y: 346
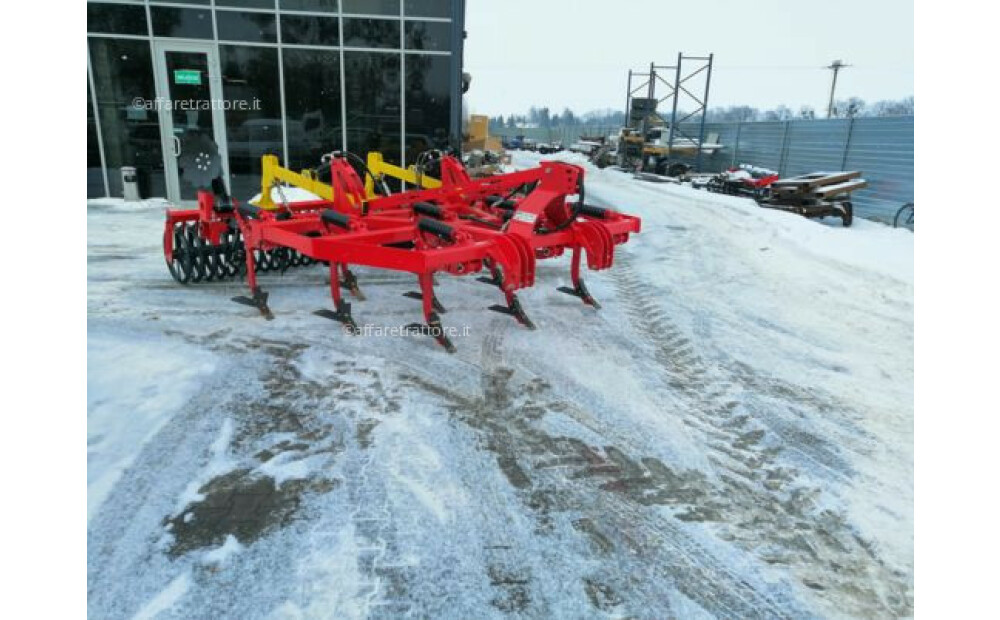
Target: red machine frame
x: 502, y: 223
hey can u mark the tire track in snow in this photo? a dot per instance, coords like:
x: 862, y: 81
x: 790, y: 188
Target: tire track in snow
x: 763, y: 504
x: 604, y: 498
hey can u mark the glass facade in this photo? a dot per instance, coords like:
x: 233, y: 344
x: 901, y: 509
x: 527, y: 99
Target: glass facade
x: 318, y: 75
x: 313, y: 118
x: 251, y: 74
x: 95, y: 172
x: 122, y: 74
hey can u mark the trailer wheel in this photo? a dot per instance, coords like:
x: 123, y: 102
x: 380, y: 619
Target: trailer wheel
x: 677, y: 169
x: 904, y: 217
x: 848, y: 215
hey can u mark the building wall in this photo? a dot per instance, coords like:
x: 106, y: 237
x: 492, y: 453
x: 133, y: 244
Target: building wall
x: 354, y: 75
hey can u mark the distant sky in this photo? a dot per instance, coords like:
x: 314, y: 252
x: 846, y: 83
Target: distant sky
x: 576, y: 54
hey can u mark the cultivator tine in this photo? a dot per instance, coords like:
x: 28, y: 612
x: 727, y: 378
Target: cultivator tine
x: 433, y: 326
x: 258, y: 300
x: 434, y: 329
x: 579, y: 288
x: 350, y: 282
x: 495, y: 278
x: 434, y: 301
x: 342, y: 315
x: 514, y: 309
x: 343, y: 309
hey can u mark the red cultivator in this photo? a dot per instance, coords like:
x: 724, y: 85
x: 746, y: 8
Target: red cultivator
x: 461, y: 226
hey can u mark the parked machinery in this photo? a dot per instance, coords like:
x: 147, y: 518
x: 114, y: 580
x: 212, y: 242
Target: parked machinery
x: 817, y: 194
x: 450, y: 223
x: 745, y: 180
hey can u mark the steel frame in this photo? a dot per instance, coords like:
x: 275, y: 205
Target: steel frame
x: 676, y: 90
x: 455, y: 225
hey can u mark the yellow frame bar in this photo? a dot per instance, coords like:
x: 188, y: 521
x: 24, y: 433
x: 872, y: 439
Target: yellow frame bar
x: 379, y: 166
x: 271, y: 172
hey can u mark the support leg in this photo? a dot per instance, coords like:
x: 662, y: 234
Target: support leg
x: 579, y: 288
x: 440, y: 309
x: 258, y: 298
x: 342, y: 311
x: 433, y: 322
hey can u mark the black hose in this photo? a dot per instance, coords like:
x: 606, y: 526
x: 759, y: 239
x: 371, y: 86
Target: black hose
x: 329, y: 216
x: 424, y: 159
x: 434, y: 227
x: 323, y: 172
x: 481, y: 221
x: 429, y: 209
x: 249, y: 211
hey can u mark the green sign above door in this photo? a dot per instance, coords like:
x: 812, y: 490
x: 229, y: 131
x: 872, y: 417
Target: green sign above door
x: 187, y: 76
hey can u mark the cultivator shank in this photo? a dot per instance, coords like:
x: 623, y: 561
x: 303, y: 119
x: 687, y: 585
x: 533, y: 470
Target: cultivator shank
x: 450, y: 224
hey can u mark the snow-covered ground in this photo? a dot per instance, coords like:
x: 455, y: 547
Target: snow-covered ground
x: 730, y: 436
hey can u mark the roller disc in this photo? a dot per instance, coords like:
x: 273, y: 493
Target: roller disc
x: 191, y: 238
x: 179, y: 270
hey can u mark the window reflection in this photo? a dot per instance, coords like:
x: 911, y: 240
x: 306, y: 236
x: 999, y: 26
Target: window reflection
x: 310, y: 5
x: 116, y: 19
x: 372, y: 7
x: 252, y: 27
x: 428, y: 103
x: 123, y: 72
x: 186, y: 23
x: 246, y: 4
x: 312, y: 105
x: 373, y: 103
x: 434, y: 36
x: 309, y: 30
x: 95, y: 174
x: 360, y: 32
x: 428, y: 8
x: 250, y: 74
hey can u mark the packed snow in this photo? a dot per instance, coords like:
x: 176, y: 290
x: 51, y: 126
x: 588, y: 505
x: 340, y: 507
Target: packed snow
x: 731, y: 435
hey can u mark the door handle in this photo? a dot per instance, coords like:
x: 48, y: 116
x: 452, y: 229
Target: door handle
x: 177, y: 146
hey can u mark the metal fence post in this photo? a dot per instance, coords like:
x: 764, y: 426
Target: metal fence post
x: 704, y: 112
x: 847, y: 144
x: 736, y: 148
x: 783, y: 157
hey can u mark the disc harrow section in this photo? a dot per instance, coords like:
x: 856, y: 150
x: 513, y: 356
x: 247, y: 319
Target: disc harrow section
x: 500, y: 225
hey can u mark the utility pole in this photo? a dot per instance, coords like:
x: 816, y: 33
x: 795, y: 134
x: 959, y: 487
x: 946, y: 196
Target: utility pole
x: 836, y: 65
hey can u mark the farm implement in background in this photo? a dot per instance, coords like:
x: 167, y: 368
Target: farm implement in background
x: 746, y: 180
x: 817, y: 194
x: 449, y: 223
x: 813, y: 195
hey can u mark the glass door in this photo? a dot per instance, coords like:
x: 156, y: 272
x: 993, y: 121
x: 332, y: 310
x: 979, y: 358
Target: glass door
x: 191, y: 113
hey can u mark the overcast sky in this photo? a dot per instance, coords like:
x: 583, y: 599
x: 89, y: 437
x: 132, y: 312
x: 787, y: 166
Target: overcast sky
x: 576, y: 54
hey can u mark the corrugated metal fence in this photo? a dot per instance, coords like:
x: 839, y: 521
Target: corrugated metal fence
x: 882, y: 148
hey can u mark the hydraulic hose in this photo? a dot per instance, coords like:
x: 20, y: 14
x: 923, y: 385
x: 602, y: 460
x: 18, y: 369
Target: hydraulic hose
x: 323, y: 171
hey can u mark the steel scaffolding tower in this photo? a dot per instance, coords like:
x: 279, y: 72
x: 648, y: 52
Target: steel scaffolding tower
x: 678, y: 89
